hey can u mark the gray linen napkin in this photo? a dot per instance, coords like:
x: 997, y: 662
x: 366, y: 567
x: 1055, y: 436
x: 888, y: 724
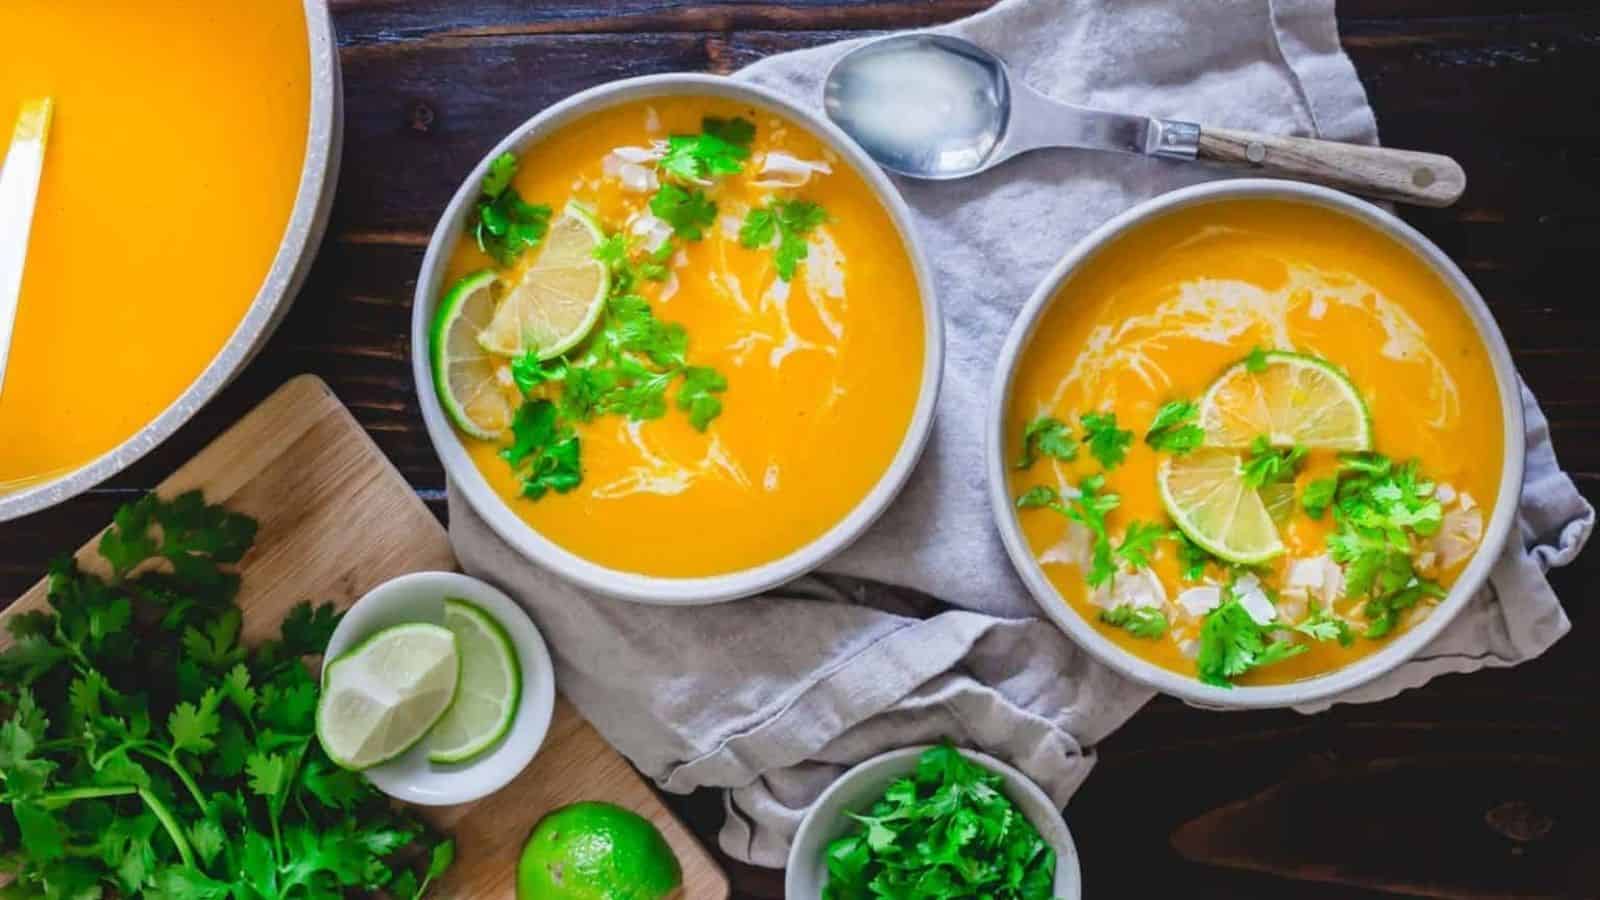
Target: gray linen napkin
x: 773, y: 697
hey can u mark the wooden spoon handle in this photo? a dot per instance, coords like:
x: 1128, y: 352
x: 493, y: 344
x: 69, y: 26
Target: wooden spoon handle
x: 1405, y: 176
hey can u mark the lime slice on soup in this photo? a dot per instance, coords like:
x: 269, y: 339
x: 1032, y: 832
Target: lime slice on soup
x: 490, y: 689
x: 466, y: 376
x: 1292, y: 399
x: 1206, y: 495
x: 561, y: 295
x: 380, y: 698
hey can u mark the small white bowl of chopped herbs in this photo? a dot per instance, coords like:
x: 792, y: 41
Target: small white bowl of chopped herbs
x: 437, y: 688
x: 949, y: 821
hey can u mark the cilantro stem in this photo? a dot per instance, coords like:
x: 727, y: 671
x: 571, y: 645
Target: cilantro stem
x: 171, y: 761
x: 58, y: 799
x: 170, y: 823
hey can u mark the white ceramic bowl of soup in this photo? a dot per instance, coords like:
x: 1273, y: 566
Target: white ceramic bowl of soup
x: 863, y: 785
x: 470, y: 481
x: 1399, y: 648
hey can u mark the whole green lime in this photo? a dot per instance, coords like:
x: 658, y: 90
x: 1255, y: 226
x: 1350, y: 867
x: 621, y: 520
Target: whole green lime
x: 596, y: 851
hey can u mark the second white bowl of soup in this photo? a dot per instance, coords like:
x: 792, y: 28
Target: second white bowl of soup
x: 1255, y: 443
x: 673, y: 340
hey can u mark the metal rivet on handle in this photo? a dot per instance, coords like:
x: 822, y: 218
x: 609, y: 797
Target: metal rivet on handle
x: 1422, y: 177
x: 1256, y: 152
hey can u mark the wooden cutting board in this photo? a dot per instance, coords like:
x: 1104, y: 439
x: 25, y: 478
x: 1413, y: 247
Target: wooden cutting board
x: 336, y: 520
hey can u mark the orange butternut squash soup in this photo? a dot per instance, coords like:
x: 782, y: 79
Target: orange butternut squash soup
x: 684, y: 337
x: 1249, y: 439
x: 171, y: 170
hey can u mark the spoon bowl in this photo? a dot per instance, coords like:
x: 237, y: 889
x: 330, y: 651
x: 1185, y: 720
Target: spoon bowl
x: 923, y: 105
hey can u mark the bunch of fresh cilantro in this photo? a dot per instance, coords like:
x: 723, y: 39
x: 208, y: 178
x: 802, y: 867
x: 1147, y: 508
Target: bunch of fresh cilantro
x: 145, y: 751
x: 946, y: 832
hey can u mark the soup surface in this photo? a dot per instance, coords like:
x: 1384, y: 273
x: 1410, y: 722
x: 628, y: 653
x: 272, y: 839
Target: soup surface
x: 790, y: 344
x: 170, y: 174
x: 1294, y: 420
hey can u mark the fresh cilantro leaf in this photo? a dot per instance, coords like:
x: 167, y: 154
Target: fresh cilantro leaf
x: 1267, y: 464
x: 697, y: 395
x: 1231, y: 644
x: 1088, y: 508
x: 1046, y: 436
x: 1138, y: 542
x: 1191, y: 556
x: 1318, y: 496
x: 207, y: 839
x: 1139, y: 621
x: 787, y: 221
x: 1041, y: 495
x: 307, y: 629
x: 333, y: 787
x: 1323, y: 625
x: 42, y: 835
x: 503, y: 224
x: 544, y: 454
x: 719, y: 149
x: 237, y: 688
x: 1256, y: 361
x: 193, y: 726
x: 1107, y: 442
x: 1173, y: 429
x: 268, y: 774
x: 689, y: 212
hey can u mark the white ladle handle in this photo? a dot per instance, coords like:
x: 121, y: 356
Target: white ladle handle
x: 1404, y: 176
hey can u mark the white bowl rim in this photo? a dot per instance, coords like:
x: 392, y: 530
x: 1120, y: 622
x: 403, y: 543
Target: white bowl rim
x: 1401, y: 648
x: 1067, y: 867
x: 291, y: 262
x: 538, y: 682
x: 635, y: 587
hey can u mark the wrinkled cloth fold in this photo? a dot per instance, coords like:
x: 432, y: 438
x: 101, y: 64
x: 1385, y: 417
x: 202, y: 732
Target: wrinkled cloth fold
x: 922, y: 630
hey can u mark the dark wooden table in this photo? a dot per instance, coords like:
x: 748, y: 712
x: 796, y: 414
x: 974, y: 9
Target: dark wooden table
x: 1477, y: 786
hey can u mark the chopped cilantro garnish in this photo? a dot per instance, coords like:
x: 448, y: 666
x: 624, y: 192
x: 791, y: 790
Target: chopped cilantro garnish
x: 1173, y: 429
x: 1231, y: 644
x: 1191, y: 556
x: 1106, y: 441
x: 1047, y: 436
x: 946, y: 831
x: 787, y: 220
x: 1318, y: 496
x: 543, y: 453
x: 1088, y: 508
x: 719, y: 149
x: 1323, y: 625
x: 1139, y: 621
x: 1380, y: 508
x: 1256, y: 361
x: 689, y: 212
x: 1267, y: 464
x: 1138, y: 542
x: 503, y: 223
x: 698, y: 395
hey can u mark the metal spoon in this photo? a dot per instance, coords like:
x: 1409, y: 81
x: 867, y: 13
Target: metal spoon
x: 938, y: 107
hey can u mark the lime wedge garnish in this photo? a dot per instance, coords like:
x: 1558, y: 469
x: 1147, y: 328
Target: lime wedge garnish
x: 561, y: 295
x: 491, y: 686
x: 1293, y: 399
x: 464, y: 374
x: 381, y: 697
x: 1206, y: 495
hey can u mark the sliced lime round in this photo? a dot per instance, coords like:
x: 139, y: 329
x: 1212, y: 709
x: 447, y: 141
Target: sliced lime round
x: 491, y: 686
x: 1206, y: 495
x: 561, y: 295
x: 380, y: 698
x: 1292, y: 398
x: 465, y: 376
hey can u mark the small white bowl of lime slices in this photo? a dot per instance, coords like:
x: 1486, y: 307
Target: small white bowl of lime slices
x: 437, y: 687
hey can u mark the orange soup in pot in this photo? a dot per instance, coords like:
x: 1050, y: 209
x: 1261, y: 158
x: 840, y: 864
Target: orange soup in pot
x: 1250, y: 439
x: 170, y: 173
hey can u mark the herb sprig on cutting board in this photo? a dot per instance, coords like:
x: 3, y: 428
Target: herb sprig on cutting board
x: 145, y: 751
